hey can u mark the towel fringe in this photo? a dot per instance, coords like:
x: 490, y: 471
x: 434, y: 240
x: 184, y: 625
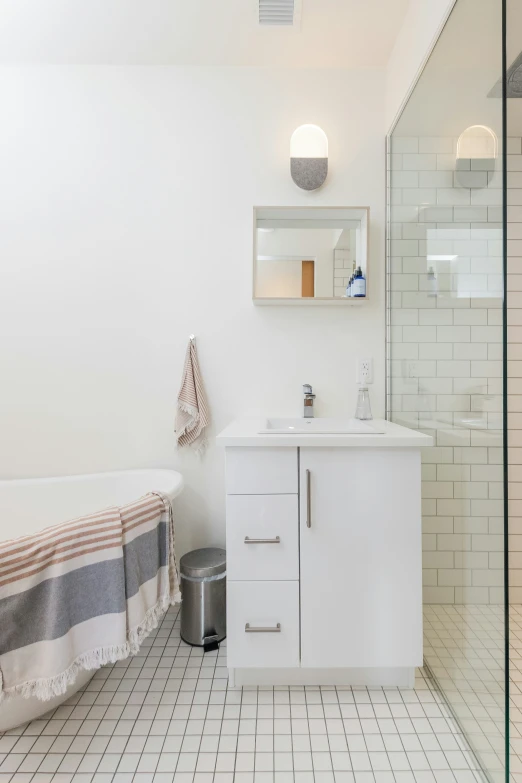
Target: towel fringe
x: 150, y: 621
x: 191, y: 411
x: 198, y: 447
x: 201, y: 447
x: 48, y: 688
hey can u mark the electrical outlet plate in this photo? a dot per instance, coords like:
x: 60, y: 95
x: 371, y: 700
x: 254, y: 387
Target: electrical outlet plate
x: 365, y: 371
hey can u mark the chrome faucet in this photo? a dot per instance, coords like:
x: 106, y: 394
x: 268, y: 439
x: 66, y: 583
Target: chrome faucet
x: 309, y: 397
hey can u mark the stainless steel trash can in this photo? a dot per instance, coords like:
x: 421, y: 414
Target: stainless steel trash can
x: 204, y: 594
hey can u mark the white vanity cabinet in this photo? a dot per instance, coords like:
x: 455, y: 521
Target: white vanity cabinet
x: 324, y: 559
x: 360, y: 544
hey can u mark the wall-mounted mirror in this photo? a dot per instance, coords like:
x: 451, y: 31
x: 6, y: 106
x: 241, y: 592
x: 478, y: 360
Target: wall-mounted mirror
x: 307, y: 255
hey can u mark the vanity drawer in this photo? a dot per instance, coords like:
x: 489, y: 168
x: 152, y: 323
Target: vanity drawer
x: 263, y: 606
x: 262, y: 471
x: 264, y: 518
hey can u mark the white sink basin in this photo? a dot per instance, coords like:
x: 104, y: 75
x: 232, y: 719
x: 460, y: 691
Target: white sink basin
x: 319, y: 427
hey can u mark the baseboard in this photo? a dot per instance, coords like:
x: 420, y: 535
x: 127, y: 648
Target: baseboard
x: 371, y: 677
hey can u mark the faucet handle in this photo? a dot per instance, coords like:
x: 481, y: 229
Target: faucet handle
x: 307, y: 389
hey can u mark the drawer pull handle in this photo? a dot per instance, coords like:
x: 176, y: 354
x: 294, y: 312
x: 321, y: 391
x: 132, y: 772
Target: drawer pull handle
x: 253, y: 629
x: 308, y: 499
x: 275, y: 540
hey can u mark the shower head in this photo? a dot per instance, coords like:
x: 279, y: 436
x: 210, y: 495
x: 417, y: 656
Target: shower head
x: 513, y: 81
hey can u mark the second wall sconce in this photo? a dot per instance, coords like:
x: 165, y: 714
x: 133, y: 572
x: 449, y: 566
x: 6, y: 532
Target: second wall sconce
x: 309, y: 157
x: 477, y: 150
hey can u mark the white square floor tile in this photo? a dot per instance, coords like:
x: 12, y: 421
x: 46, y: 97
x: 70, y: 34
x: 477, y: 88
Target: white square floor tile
x: 167, y: 716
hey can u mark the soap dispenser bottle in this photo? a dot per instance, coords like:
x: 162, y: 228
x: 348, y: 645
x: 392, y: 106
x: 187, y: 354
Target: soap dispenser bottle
x: 363, y: 409
x: 432, y: 282
x: 359, y: 284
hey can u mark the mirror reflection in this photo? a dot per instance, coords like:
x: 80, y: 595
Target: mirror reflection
x: 310, y: 253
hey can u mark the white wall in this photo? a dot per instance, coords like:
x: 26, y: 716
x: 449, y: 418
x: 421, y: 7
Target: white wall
x: 126, y: 202
x: 421, y: 26
x: 282, y: 278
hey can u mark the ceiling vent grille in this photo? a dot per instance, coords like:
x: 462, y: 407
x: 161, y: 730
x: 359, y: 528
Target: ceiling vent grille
x: 276, y: 12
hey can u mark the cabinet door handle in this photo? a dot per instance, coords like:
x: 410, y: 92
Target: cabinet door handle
x: 275, y: 540
x: 260, y: 629
x: 308, y: 499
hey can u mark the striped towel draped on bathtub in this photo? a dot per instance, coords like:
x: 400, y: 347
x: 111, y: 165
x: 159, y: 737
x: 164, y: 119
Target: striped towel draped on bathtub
x: 83, y: 594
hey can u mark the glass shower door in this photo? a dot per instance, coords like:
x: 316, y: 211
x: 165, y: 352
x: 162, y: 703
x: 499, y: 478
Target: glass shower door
x: 446, y: 359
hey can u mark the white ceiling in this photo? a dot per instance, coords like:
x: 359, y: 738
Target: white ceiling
x: 334, y: 33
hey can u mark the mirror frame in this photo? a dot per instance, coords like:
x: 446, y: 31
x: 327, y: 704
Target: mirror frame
x: 309, y: 301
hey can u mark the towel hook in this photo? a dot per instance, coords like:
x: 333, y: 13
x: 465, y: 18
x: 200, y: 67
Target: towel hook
x: 192, y: 337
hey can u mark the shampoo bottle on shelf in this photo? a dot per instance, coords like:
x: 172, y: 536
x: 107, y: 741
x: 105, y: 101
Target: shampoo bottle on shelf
x: 432, y: 282
x: 359, y: 284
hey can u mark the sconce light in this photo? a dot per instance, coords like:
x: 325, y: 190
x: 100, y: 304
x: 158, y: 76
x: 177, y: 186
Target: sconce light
x: 477, y: 142
x: 309, y: 157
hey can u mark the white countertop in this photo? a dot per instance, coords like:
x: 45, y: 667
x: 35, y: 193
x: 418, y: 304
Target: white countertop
x: 245, y: 433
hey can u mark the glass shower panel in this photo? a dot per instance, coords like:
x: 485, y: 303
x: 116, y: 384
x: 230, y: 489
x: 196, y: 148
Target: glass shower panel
x: 514, y: 354
x: 446, y: 359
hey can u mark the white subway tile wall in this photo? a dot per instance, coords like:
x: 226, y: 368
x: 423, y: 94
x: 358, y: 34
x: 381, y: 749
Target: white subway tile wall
x: 445, y: 358
x: 343, y: 269
x: 514, y: 304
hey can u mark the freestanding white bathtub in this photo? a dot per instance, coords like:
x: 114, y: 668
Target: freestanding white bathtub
x: 29, y: 505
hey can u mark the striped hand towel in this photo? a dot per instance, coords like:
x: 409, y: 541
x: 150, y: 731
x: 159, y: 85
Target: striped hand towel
x: 83, y: 594
x: 192, y: 410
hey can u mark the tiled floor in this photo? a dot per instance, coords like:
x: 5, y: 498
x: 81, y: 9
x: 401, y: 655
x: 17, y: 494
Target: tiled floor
x: 464, y: 648
x: 167, y: 716
x: 515, y: 690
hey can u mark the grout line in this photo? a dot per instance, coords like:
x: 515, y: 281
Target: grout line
x: 143, y: 703
x: 414, y: 714
x: 487, y: 778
